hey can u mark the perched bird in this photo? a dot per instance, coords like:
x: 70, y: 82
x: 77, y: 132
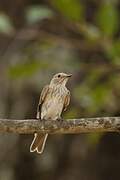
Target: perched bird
x: 54, y: 99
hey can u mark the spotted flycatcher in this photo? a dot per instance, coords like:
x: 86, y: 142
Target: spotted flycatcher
x: 54, y: 99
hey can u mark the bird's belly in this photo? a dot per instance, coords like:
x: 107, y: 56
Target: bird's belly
x: 52, y: 109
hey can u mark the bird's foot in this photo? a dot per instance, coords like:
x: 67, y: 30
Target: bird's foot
x: 60, y: 120
x: 41, y: 120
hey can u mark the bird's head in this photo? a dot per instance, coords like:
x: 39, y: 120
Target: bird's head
x: 60, y: 79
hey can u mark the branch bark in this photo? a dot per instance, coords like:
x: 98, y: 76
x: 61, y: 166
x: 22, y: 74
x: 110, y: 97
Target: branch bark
x: 69, y: 126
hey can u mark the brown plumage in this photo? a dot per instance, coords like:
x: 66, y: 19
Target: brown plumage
x: 54, y: 98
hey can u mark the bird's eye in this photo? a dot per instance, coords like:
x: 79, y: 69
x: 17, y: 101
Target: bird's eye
x: 59, y: 76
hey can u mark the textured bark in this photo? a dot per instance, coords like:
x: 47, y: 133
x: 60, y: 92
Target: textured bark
x: 69, y: 126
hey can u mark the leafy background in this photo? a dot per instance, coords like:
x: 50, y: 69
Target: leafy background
x: 38, y: 39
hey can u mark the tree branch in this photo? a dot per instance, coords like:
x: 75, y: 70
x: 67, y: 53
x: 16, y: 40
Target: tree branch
x: 69, y: 126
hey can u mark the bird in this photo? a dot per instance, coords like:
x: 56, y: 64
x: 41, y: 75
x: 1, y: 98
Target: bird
x: 54, y: 99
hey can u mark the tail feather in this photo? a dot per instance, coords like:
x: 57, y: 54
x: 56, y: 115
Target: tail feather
x: 38, y: 143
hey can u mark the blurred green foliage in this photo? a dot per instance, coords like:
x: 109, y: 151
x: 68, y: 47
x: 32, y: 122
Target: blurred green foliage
x: 107, y: 18
x: 94, y: 138
x: 36, y: 13
x: 113, y: 51
x: 71, y: 9
x: 6, y: 25
x: 23, y: 70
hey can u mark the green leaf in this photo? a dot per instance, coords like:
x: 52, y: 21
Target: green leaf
x: 107, y: 18
x: 71, y: 9
x: 5, y: 24
x: 23, y: 70
x: 37, y: 13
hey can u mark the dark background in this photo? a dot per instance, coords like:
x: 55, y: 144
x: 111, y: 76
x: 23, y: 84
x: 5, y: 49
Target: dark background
x: 37, y: 40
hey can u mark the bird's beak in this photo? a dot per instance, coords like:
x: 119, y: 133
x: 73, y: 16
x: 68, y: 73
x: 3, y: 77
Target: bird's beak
x: 68, y: 75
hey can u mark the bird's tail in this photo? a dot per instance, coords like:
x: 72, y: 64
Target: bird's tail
x: 38, y: 143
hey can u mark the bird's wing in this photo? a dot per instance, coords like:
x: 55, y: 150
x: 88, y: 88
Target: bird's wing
x: 41, y: 100
x: 67, y: 101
